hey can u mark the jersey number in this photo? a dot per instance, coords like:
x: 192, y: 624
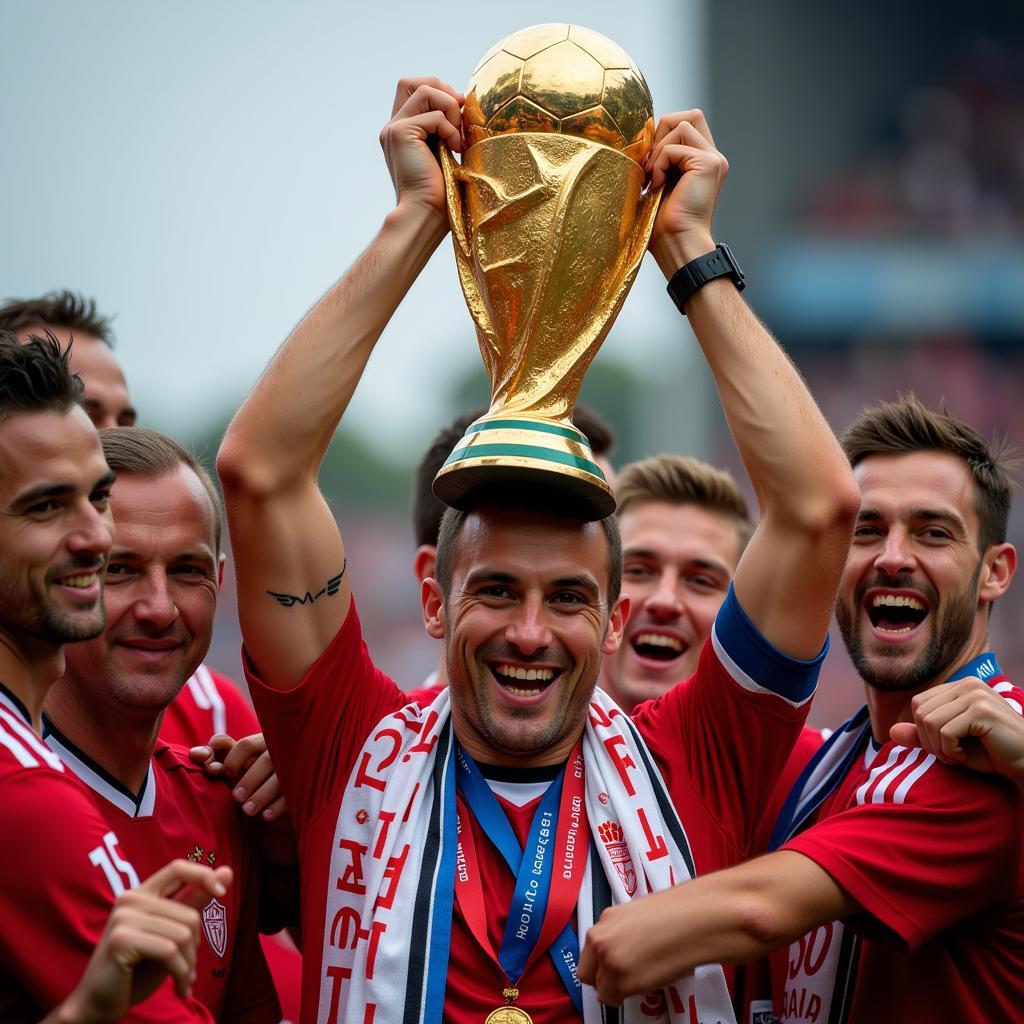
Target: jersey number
x: 120, y: 874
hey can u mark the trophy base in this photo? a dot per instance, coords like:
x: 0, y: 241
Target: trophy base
x: 508, y: 461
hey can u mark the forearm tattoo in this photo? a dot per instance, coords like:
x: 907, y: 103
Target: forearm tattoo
x: 332, y: 586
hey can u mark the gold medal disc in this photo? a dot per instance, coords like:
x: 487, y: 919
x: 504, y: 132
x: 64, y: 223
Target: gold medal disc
x: 508, y: 1015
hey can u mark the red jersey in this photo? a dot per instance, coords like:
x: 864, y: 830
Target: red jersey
x: 933, y: 855
x: 719, y: 742
x: 59, y: 862
x: 208, y: 703
x: 181, y: 812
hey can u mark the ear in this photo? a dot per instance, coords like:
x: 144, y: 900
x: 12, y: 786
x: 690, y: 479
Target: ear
x: 432, y: 601
x: 1000, y: 563
x: 424, y: 560
x: 221, y: 562
x: 617, y: 619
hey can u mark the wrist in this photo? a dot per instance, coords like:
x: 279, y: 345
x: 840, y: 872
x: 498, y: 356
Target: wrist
x: 420, y: 220
x: 674, y: 251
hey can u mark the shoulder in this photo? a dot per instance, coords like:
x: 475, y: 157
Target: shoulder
x: 910, y: 776
x: 21, y: 748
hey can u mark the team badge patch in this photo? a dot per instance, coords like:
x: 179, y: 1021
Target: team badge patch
x: 215, y: 926
x: 612, y: 837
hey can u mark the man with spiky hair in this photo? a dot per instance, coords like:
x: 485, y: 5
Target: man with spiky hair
x: 896, y: 888
x: 72, y: 317
x: 59, y: 861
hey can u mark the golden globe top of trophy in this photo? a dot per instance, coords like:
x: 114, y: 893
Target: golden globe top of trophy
x: 550, y: 219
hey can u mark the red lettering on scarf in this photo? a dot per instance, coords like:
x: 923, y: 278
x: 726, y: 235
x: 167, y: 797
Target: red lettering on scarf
x: 393, y: 873
x: 385, y: 818
x: 338, y: 975
x: 351, y: 879
x: 364, y: 779
x: 346, y: 917
x: 376, y: 930
x: 408, y: 810
x: 621, y: 763
x: 410, y: 723
x: 425, y: 746
x: 656, y: 845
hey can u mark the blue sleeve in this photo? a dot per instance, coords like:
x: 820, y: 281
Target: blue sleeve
x: 754, y: 663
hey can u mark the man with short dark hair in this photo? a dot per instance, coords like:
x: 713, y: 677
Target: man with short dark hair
x: 210, y: 703
x: 427, y: 510
x: 897, y: 882
x: 55, y: 897
x: 417, y: 898
x: 72, y: 318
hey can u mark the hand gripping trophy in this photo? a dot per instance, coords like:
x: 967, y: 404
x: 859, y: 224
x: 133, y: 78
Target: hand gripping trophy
x: 550, y: 219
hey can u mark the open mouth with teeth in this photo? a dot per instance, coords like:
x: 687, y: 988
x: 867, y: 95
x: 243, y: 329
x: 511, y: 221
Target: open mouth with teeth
x: 524, y: 681
x: 78, y: 582
x: 658, y: 646
x: 896, y: 613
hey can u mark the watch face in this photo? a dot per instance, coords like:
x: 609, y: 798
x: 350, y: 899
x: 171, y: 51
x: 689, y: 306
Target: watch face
x: 732, y: 259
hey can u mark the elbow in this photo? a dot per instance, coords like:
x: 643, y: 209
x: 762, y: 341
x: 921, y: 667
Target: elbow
x: 242, y: 472
x: 831, y: 512
x: 762, y: 925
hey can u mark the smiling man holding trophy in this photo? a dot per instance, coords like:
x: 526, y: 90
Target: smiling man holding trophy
x: 454, y: 855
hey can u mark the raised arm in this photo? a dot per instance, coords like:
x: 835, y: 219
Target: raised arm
x: 729, y: 917
x: 808, y: 499
x: 293, y: 584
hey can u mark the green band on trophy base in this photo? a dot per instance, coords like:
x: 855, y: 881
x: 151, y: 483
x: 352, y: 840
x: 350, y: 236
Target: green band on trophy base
x: 518, y: 460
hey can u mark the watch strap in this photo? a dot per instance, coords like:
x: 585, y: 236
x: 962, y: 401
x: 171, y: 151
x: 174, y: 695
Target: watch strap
x: 688, y: 279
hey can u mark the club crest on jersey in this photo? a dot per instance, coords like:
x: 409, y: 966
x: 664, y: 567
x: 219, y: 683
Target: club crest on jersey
x: 198, y: 854
x: 215, y: 926
x: 611, y: 835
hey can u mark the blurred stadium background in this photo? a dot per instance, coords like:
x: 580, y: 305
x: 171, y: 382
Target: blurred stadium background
x: 205, y: 171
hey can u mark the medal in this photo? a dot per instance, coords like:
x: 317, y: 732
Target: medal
x: 548, y: 876
x: 509, y: 1014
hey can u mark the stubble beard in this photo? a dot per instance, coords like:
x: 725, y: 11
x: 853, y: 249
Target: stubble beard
x: 949, y: 633
x: 41, y: 619
x: 530, y: 737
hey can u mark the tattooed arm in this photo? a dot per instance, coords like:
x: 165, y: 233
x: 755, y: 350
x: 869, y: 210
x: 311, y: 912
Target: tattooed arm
x: 293, y: 587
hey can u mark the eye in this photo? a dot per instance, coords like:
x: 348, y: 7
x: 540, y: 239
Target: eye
x: 118, y: 570
x: 936, y: 533
x: 101, y: 498
x: 494, y: 590
x: 42, y: 508
x: 704, y: 582
x: 637, y: 571
x: 568, y: 597
x: 867, y: 531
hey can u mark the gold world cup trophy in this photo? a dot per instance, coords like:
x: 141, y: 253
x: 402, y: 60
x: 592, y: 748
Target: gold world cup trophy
x: 550, y: 219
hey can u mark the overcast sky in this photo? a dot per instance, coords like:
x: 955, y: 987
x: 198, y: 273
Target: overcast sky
x: 207, y: 169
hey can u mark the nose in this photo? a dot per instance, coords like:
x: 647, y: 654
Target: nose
x: 529, y: 630
x: 155, y: 604
x: 93, y: 533
x: 896, y: 557
x: 665, y: 601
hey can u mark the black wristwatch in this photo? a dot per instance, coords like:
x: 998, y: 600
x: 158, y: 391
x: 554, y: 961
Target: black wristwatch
x: 720, y: 262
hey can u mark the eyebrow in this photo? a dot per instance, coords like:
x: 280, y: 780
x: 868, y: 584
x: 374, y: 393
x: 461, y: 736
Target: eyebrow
x: 30, y: 497
x: 698, y: 563
x: 582, y: 581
